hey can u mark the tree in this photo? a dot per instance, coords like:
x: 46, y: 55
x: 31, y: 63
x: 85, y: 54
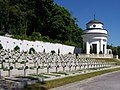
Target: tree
x: 36, y: 36
x: 39, y: 19
x: 118, y: 51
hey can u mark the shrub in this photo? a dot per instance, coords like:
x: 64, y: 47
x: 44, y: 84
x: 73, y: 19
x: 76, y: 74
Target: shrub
x: 36, y: 36
x: 2, y: 33
x: 45, y: 38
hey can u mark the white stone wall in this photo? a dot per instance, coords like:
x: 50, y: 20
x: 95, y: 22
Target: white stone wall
x: 39, y: 46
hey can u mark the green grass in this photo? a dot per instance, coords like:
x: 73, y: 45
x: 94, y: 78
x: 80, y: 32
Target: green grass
x: 40, y: 75
x: 109, y: 60
x: 50, y: 74
x: 32, y: 67
x: 62, y: 73
x: 5, y: 69
x: 96, y: 68
x: 20, y: 68
x: 62, y: 81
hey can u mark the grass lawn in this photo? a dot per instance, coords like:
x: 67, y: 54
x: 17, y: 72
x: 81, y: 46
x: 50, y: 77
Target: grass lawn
x: 39, y: 75
x: 62, y: 73
x: 62, y: 81
x: 109, y: 60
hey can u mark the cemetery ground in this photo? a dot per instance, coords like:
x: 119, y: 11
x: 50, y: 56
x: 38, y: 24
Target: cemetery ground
x: 40, y: 70
x: 87, y: 73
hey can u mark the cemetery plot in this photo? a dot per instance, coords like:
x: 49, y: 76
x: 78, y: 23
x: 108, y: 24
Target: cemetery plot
x: 13, y: 63
x: 17, y: 67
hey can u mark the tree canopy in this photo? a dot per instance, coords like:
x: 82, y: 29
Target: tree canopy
x: 50, y: 21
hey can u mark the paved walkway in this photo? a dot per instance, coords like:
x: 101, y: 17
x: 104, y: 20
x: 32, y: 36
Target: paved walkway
x: 109, y: 81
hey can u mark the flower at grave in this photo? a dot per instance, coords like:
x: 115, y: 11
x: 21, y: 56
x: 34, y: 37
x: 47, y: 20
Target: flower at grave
x: 35, y: 61
x: 11, y: 67
x: 38, y: 67
x: 26, y: 61
x: 16, y: 60
x: 48, y: 66
x: 3, y: 60
x: 57, y: 66
x: 75, y: 65
x: 7, y: 58
x: 26, y: 67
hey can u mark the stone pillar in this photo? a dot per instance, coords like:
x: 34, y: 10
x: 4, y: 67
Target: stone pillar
x: 87, y: 48
x: 101, y: 45
x: 98, y: 47
x: 105, y: 48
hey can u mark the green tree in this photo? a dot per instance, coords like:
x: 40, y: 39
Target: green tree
x: 36, y: 36
x: 22, y: 18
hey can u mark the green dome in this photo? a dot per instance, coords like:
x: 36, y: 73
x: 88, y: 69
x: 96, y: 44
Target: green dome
x: 95, y: 21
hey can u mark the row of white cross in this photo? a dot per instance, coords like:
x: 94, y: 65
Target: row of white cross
x: 24, y: 63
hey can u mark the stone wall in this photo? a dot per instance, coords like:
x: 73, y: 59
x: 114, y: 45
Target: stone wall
x: 39, y: 46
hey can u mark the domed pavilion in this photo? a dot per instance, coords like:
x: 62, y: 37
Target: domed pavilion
x: 95, y: 38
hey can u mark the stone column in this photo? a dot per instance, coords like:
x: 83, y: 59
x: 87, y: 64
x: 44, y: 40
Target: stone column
x: 101, y: 45
x: 87, y: 48
x: 105, y: 48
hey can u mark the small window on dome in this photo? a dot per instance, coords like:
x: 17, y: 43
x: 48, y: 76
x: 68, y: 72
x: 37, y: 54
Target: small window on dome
x: 94, y: 25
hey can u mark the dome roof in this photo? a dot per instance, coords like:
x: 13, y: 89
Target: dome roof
x: 94, y: 21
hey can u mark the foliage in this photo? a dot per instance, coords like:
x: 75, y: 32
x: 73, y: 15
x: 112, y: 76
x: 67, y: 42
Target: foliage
x: 118, y: 50
x: 115, y: 50
x: 36, y: 36
x: 39, y: 20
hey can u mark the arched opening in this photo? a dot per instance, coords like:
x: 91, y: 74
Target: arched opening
x: 31, y: 51
x: 17, y: 48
